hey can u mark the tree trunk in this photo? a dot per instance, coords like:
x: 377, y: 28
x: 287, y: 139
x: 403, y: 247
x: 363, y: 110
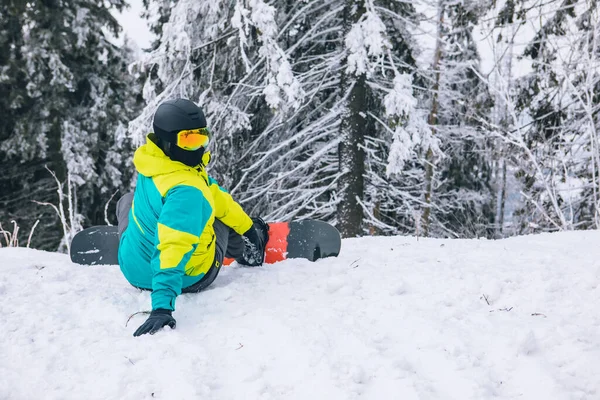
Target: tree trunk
x: 503, y: 154
x: 433, y: 122
x: 353, y: 128
x: 501, y: 200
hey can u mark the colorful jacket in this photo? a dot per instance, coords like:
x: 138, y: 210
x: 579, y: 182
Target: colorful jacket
x: 170, y: 241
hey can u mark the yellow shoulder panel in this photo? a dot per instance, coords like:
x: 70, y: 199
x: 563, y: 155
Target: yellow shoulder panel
x: 165, y: 182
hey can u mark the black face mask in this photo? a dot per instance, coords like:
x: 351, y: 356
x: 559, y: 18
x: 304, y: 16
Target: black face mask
x: 187, y: 157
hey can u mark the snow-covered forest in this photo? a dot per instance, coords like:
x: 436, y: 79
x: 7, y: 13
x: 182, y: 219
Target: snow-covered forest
x: 442, y: 118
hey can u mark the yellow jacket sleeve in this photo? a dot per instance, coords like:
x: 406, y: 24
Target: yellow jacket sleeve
x: 227, y: 210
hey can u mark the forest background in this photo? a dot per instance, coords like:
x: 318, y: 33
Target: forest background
x: 440, y: 118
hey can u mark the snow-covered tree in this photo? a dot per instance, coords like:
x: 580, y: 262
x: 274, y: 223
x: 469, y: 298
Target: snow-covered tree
x: 544, y: 122
x: 465, y: 191
x: 69, y: 99
x: 500, y: 28
x: 560, y: 98
x: 457, y: 181
x: 396, y: 124
x: 555, y: 114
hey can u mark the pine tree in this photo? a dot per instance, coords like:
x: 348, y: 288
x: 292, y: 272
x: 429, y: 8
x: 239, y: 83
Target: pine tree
x: 396, y: 126
x: 458, y: 191
x: 503, y: 27
x: 71, y: 97
x: 465, y: 171
x: 355, y: 124
x: 560, y: 97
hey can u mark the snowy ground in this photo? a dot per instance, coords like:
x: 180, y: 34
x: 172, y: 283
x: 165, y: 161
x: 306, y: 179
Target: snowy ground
x: 392, y: 318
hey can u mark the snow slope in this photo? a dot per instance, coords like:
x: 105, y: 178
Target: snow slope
x: 392, y: 318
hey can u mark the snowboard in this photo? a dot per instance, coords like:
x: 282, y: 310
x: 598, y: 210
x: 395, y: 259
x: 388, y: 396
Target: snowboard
x: 308, y: 239
x: 97, y: 245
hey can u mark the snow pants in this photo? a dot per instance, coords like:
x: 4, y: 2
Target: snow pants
x: 228, y: 243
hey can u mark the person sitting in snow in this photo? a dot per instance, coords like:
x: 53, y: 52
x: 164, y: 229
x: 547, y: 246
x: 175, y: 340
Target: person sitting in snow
x: 179, y: 224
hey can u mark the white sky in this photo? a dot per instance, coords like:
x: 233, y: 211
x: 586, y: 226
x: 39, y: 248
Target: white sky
x: 134, y: 26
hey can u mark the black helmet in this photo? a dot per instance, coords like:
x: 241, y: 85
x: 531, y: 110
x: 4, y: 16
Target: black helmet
x: 173, y: 116
x: 176, y: 115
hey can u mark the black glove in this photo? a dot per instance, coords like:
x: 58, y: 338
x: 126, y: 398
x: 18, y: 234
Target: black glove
x: 157, y: 319
x: 254, y: 250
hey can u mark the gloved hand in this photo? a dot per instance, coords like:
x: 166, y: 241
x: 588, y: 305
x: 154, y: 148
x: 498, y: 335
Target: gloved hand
x: 158, y: 318
x: 255, y: 248
x: 255, y: 240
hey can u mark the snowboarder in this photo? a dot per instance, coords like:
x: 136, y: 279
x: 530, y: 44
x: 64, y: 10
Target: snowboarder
x: 179, y: 224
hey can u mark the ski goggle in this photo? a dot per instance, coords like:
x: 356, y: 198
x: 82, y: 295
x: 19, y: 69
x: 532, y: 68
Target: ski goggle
x: 193, y: 139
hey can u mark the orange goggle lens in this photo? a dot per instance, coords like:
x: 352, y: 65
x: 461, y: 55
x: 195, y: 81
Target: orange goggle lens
x: 193, y: 139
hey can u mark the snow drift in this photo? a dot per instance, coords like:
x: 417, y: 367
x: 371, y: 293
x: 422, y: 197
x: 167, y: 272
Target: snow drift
x: 391, y: 318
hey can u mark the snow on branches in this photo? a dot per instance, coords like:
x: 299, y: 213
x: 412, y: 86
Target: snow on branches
x: 400, y: 107
x: 281, y: 81
x: 366, y: 41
